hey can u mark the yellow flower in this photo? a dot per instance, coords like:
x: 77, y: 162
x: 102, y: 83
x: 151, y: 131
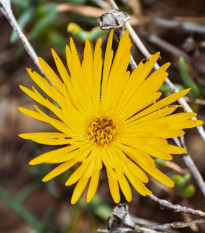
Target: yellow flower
x: 106, y: 116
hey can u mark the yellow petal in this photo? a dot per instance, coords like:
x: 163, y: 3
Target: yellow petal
x: 158, y: 175
x: 58, y: 170
x: 173, y: 149
x: 90, y: 169
x: 125, y: 187
x: 146, y: 90
x: 137, y: 184
x: 107, y: 65
x: 127, y: 163
x: 162, y: 103
x: 136, y: 79
x: 83, y: 150
x: 52, y: 154
x: 93, y: 185
x: 61, y: 68
x: 157, y: 152
x: 79, y: 190
x: 114, y: 188
x: 97, y: 73
x: 47, y: 138
x: 52, y: 76
x: 154, y: 115
x: 78, y: 172
x: 51, y: 91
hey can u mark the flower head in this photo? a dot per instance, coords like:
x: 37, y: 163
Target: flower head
x: 107, y: 116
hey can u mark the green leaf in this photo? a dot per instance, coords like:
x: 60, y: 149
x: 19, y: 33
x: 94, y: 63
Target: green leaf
x: 85, y: 21
x: 187, y: 79
x: 21, y: 4
x: 181, y: 182
x: 189, y: 191
x: 48, y: 219
x: 75, y: 218
x: 51, y: 186
x: 42, y: 24
x: 57, y: 40
x: 77, y: 2
x: 46, y: 8
x: 182, y: 187
x: 82, y: 35
x: 165, y: 88
x: 26, y: 191
x: 100, y: 208
x: 161, y: 162
x: 21, y: 210
x: 97, y: 207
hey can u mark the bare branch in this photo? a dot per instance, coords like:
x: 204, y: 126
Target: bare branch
x: 8, y: 13
x: 121, y: 221
x: 165, y: 45
x: 175, y: 207
x: 186, y: 26
x: 192, y: 167
x: 177, y: 225
x: 113, y: 4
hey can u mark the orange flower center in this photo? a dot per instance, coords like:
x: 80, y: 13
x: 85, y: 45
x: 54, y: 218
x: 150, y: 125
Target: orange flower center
x: 101, y: 130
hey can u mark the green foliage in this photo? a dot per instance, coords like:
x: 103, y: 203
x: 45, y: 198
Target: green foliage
x: 77, y: 2
x: 24, y: 19
x: 182, y: 186
x: 82, y: 35
x: 47, y: 16
x: 44, y: 24
x: 187, y: 79
x: 165, y: 88
x: 160, y: 162
x: 27, y: 190
x: 41, y: 17
x: 21, y: 211
x: 100, y: 208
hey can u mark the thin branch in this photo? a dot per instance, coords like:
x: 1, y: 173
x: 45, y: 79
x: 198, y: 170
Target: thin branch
x: 175, y: 207
x: 113, y: 4
x: 195, y: 101
x: 194, y: 170
x: 8, y: 13
x: 101, y: 3
x: 165, y: 45
x: 186, y: 26
x: 191, y: 165
x: 121, y: 221
x: 177, y: 225
x: 152, y: 225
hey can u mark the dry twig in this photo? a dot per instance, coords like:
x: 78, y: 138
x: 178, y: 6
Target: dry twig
x: 121, y: 221
x: 166, y: 46
x: 8, y: 13
x: 175, y: 207
x: 186, y: 26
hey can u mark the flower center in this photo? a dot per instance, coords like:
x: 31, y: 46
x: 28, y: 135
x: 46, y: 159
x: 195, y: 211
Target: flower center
x: 101, y: 130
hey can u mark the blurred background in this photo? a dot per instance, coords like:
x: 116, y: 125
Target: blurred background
x: 176, y: 28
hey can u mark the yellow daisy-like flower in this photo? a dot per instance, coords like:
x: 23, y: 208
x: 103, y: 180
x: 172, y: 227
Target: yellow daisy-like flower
x: 107, y: 116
